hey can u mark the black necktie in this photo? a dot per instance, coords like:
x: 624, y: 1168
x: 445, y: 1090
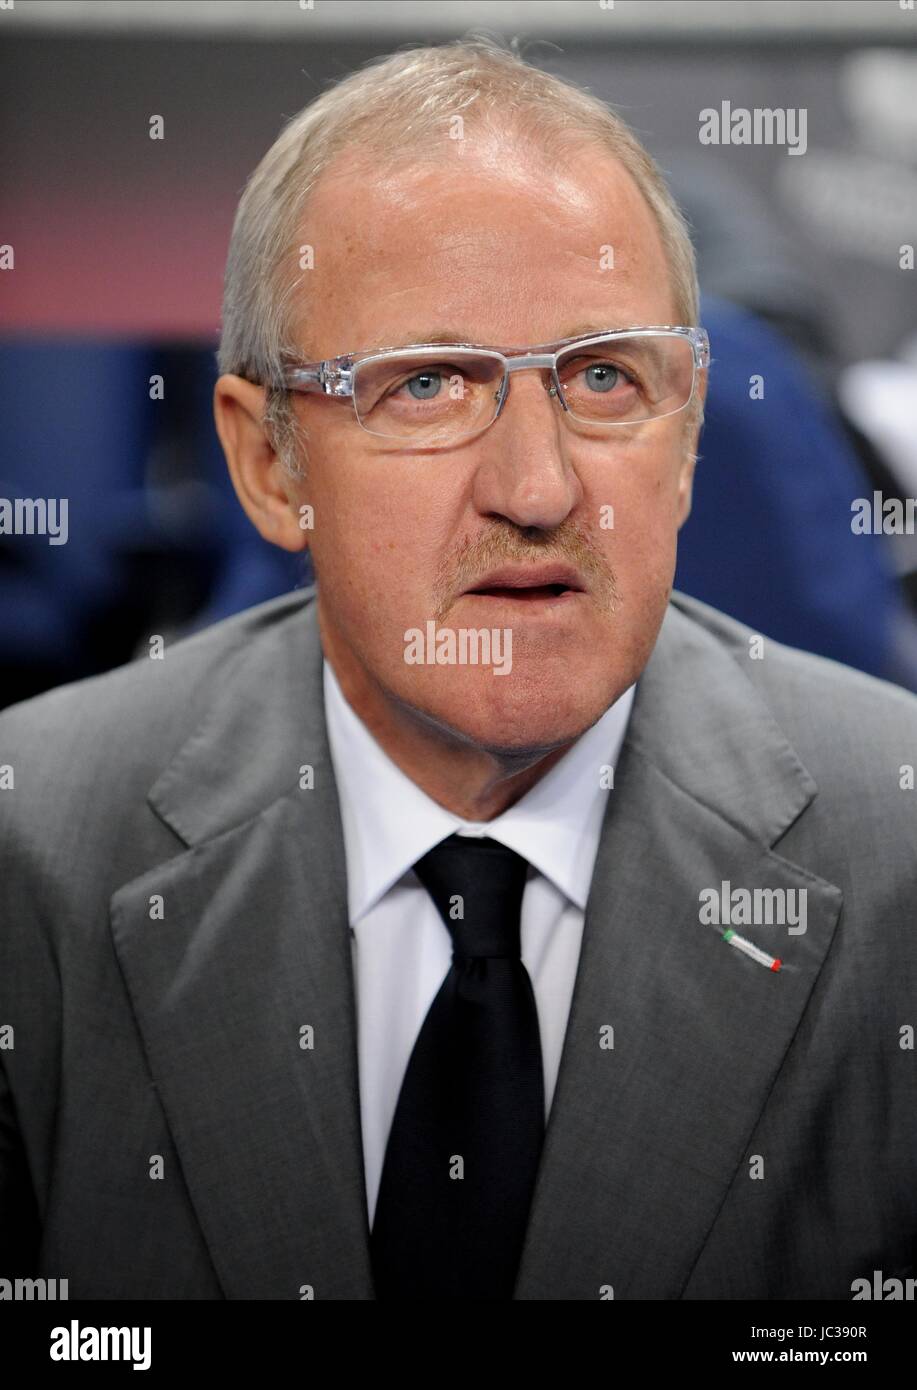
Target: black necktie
x: 466, y: 1138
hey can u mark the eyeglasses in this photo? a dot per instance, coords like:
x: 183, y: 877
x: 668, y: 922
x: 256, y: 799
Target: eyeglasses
x: 436, y: 394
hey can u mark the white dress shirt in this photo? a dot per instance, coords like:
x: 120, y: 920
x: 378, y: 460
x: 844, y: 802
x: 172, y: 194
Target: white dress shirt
x: 401, y: 948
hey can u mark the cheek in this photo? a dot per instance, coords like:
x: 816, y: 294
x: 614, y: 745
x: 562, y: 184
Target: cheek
x: 634, y: 504
x: 379, y: 533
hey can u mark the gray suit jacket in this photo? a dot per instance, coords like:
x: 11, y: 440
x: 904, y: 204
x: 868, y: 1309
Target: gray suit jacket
x: 164, y: 1135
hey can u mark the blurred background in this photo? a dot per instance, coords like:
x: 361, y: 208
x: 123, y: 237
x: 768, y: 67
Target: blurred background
x: 112, y: 249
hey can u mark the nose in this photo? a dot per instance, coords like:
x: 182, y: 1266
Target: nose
x: 526, y: 474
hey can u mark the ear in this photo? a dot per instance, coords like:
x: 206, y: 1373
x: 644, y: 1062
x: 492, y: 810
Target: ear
x: 686, y: 488
x: 270, y: 497
x: 692, y: 435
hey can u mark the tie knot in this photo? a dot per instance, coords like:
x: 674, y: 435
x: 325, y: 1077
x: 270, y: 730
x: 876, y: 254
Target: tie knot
x: 477, y: 885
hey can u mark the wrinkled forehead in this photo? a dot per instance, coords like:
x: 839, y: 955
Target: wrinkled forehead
x: 491, y: 236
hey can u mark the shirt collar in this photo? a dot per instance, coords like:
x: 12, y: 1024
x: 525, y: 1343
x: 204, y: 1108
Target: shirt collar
x: 389, y: 823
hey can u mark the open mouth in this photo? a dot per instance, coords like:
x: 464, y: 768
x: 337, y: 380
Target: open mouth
x: 525, y: 593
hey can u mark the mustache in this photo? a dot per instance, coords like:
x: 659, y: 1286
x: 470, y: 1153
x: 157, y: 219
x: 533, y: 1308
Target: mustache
x: 568, y: 543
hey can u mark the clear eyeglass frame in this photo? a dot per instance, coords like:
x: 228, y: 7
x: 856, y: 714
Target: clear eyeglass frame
x: 336, y: 376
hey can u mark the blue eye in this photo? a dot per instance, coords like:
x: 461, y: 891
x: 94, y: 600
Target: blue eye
x: 602, y: 376
x: 428, y: 383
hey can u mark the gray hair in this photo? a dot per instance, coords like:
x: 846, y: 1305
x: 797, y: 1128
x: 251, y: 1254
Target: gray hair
x: 381, y: 110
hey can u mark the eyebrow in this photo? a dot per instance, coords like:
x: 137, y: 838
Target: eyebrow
x: 439, y: 335
x: 583, y: 328
x: 447, y: 335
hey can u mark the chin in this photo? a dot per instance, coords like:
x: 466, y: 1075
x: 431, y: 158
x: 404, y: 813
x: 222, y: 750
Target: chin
x: 520, y: 714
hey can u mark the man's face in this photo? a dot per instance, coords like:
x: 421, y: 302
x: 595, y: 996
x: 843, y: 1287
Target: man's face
x: 486, y: 242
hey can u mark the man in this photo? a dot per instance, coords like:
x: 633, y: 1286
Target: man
x: 489, y: 922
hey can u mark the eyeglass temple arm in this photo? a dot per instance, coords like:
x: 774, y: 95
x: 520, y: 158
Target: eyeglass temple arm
x: 701, y: 344
x: 331, y: 381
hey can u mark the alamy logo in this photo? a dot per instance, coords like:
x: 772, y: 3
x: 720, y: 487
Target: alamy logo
x: 883, y: 516
x: 465, y: 646
x: 75, y: 1343
x: 726, y: 906
x: 33, y: 1290
x: 35, y: 516
x: 889, y: 1290
x: 762, y: 125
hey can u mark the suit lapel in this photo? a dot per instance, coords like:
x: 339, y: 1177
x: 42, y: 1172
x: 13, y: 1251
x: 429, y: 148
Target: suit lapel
x: 253, y: 949
x: 645, y: 1138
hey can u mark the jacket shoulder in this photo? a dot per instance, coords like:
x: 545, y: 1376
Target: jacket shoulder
x: 139, y: 713
x: 821, y: 704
